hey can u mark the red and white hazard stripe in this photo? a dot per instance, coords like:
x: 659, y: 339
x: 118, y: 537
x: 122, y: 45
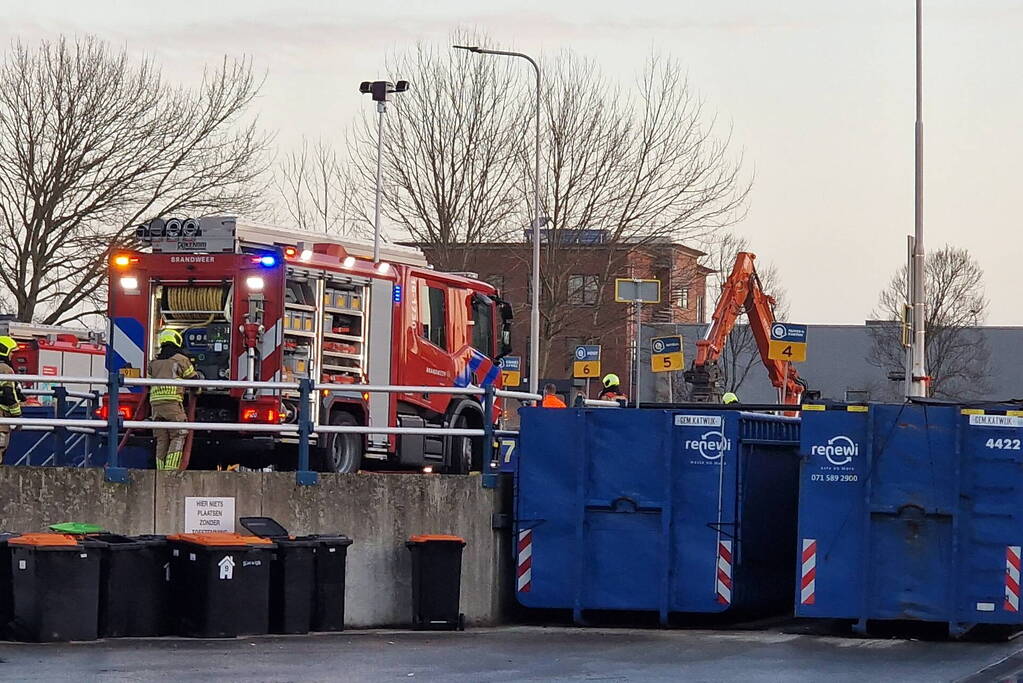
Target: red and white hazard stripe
x: 723, y: 583
x: 808, y: 572
x: 524, y: 569
x: 1012, y: 563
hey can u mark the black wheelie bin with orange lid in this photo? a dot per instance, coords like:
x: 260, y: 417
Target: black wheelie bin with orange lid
x: 436, y: 581
x: 55, y: 586
x: 220, y: 584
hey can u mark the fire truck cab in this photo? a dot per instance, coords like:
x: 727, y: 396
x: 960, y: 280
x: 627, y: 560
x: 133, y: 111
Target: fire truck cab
x: 256, y: 302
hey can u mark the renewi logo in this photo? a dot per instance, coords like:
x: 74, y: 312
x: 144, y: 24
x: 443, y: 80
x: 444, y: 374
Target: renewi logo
x: 711, y: 445
x: 839, y: 450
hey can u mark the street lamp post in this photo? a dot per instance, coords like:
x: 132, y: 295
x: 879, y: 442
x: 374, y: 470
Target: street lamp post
x: 380, y: 90
x: 918, y: 376
x: 534, y: 313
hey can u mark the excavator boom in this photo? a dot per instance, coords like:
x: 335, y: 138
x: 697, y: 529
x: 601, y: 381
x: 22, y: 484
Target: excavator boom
x: 741, y: 293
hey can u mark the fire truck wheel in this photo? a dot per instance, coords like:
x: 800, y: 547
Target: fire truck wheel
x: 341, y: 452
x: 466, y: 451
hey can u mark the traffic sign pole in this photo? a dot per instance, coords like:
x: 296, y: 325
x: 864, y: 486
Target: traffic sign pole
x: 639, y: 332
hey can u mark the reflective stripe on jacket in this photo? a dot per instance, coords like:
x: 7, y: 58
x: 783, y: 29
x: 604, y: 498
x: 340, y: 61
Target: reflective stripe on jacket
x: 176, y: 367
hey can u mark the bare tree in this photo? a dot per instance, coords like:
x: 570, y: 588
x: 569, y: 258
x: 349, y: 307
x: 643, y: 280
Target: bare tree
x: 956, y: 348
x: 740, y: 353
x: 317, y: 192
x: 91, y: 143
x: 451, y: 158
x: 627, y: 169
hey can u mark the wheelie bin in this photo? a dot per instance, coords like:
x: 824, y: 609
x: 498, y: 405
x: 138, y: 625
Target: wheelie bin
x: 220, y: 584
x: 291, y: 576
x: 6, y: 589
x: 329, y: 597
x: 307, y: 578
x: 55, y: 587
x: 436, y: 581
x: 134, y: 588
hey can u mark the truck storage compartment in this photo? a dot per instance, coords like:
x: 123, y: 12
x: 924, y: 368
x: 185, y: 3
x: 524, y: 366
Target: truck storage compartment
x: 664, y: 511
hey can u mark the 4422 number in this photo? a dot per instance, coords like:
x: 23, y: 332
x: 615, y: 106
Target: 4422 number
x: 1003, y: 444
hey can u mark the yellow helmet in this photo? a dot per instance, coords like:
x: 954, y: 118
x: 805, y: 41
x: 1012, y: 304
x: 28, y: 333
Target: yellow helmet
x: 7, y: 345
x: 611, y: 380
x: 169, y: 336
x: 729, y: 398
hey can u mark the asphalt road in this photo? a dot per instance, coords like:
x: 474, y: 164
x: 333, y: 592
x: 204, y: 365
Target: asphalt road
x: 520, y: 653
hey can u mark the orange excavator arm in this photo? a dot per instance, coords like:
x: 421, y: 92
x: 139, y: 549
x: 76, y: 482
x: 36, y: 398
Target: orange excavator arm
x: 742, y: 293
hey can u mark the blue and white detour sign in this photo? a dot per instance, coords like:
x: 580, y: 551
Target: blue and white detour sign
x: 666, y: 354
x: 788, y: 342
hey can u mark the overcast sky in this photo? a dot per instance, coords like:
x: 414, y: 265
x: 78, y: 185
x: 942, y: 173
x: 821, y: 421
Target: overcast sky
x: 819, y: 94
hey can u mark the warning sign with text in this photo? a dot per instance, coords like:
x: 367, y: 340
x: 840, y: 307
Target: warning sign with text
x: 206, y: 514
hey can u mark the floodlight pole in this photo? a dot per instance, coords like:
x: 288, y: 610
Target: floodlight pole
x: 381, y: 108
x: 534, y: 313
x: 381, y: 92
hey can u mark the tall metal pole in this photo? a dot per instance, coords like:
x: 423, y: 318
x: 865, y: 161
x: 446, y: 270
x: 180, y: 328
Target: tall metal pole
x: 637, y: 383
x: 907, y: 319
x: 381, y: 108
x: 534, y: 312
x: 918, y: 386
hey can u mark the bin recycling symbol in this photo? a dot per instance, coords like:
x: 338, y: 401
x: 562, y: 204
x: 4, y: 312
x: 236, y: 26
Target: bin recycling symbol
x: 226, y: 567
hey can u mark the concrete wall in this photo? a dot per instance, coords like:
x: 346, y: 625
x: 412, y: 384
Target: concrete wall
x: 379, y: 512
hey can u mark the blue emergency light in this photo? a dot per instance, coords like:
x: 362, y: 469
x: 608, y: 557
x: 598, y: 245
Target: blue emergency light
x: 396, y: 294
x: 268, y: 261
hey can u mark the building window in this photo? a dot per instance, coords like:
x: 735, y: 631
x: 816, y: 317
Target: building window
x: 682, y: 298
x: 496, y: 281
x: 583, y: 290
x: 701, y: 316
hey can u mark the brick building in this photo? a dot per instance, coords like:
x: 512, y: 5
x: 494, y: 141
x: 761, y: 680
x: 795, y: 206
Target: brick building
x: 578, y: 305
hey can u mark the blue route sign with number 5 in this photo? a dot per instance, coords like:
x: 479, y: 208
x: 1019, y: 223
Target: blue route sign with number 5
x: 788, y: 342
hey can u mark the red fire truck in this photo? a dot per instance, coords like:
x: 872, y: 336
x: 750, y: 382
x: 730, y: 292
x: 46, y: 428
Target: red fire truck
x: 256, y: 302
x: 54, y: 350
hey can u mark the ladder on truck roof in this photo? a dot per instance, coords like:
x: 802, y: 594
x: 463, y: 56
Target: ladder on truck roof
x: 23, y: 330
x: 261, y: 234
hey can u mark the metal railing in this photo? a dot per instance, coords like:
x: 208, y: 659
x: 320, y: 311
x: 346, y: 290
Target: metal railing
x: 65, y: 438
x: 304, y: 426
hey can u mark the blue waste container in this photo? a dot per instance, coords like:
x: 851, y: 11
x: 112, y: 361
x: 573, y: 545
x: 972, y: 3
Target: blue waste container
x: 668, y: 511
x: 911, y: 512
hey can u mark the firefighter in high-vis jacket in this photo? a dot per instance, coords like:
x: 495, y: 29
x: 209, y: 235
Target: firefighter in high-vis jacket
x: 10, y: 393
x: 166, y: 402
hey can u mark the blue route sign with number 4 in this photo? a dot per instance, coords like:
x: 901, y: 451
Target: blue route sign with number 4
x: 788, y: 342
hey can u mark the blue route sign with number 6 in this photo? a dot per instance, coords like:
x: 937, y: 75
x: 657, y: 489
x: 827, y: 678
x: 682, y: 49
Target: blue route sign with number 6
x: 587, y: 361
